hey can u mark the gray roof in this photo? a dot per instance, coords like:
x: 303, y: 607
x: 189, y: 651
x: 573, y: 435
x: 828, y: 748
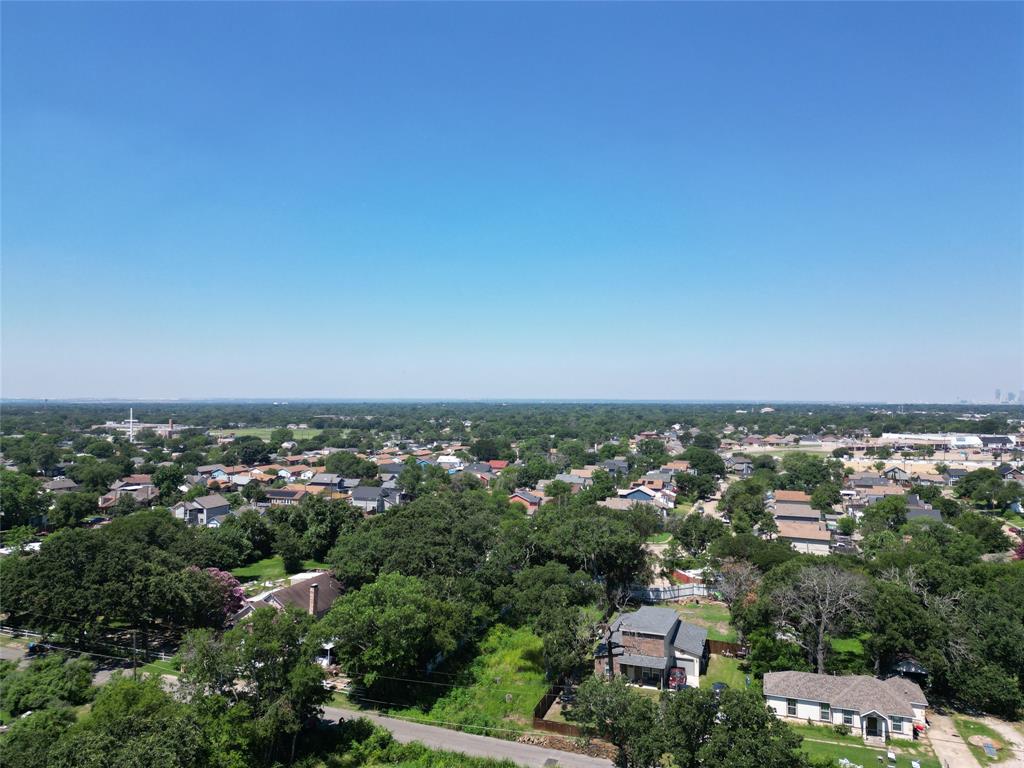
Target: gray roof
x: 479, y: 466
x: 325, y: 478
x: 527, y: 496
x: 366, y: 492
x: 655, y: 621
x: 796, y: 510
x: 213, y: 500
x: 690, y: 639
x: 860, y: 693
x: 655, y: 662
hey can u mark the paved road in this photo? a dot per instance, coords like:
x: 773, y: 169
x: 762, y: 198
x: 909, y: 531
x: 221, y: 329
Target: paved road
x: 14, y: 653
x: 949, y: 747
x: 471, y: 744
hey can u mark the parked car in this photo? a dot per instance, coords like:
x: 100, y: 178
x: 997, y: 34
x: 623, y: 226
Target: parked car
x: 676, y: 679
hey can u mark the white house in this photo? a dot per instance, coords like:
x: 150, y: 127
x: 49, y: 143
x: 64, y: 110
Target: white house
x: 877, y: 709
x: 206, y: 510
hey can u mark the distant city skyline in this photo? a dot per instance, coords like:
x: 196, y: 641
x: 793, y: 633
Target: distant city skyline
x: 727, y: 202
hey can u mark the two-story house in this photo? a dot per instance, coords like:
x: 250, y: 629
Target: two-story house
x: 653, y: 647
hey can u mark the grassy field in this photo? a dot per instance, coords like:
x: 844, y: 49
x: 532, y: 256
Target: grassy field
x: 712, y: 616
x: 968, y: 728
x: 722, y: 669
x: 263, y: 433
x: 170, y: 667
x: 1014, y: 520
x: 270, y: 569
x: 498, y: 689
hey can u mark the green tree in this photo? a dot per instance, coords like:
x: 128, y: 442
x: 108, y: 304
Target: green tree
x: 47, y: 682
x: 131, y: 723
x: 392, y: 627
x: 288, y: 545
x: 281, y: 435
x: 29, y: 741
x: 21, y: 500
x: 746, y: 733
x: 70, y: 509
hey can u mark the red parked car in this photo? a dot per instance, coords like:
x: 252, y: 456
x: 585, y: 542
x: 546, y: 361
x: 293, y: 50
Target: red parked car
x: 676, y: 679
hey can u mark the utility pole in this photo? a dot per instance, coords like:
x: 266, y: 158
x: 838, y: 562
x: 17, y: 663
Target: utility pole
x: 135, y: 635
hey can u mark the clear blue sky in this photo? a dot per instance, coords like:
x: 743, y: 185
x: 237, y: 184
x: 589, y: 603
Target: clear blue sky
x: 807, y: 201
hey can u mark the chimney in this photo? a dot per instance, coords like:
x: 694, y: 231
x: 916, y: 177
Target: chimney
x: 314, y: 589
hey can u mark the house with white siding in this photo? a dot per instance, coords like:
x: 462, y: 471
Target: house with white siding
x: 876, y: 709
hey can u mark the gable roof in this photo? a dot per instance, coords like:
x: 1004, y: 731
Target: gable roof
x: 860, y: 693
x: 793, y: 530
x: 690, y: 639
x: 792, y: 496
x: 297, y: 595
x: 212, y: 501
x: 648, y: 618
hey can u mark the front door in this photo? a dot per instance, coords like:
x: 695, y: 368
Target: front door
x: 872, y: 725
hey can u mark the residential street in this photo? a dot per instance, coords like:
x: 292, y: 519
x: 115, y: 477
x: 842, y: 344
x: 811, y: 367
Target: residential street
x: 471, y: 744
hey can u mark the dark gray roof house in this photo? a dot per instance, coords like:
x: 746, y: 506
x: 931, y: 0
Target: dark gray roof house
x: 373, y: 498
x: 615, y: 466
x: 918, y: 510
x: 653, y: 647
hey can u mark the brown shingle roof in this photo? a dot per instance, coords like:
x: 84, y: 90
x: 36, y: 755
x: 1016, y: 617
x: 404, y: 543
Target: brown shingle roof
x: 860, y: 693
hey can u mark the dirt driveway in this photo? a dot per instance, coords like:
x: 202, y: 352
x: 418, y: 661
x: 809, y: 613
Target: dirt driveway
x: 948, y: 746
x: 1014, y: 742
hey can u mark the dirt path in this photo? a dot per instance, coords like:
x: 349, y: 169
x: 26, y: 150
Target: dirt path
x: 948, y: 746
x: 1014, y: 742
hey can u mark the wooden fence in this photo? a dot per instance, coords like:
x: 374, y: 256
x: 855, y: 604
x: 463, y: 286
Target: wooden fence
x: 562, y: 729
x: 724, y: 648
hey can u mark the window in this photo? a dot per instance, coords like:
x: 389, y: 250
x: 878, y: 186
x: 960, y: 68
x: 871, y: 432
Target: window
x: 823, y: 712
x: 847, y: 717
x: 791, y: 707
x: 897, y: 724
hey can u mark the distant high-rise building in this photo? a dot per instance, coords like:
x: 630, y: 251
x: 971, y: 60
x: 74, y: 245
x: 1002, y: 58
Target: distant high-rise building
x: 999, y: 394
x: 1011, y: 397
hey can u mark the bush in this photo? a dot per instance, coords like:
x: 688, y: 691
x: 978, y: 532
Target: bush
x: 842, y: 729
x: 51, y: 681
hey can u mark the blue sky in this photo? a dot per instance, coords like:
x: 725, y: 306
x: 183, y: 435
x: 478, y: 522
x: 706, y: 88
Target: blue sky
x: 807, y: 201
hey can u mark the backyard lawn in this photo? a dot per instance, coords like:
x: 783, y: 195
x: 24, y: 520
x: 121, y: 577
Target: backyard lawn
x: 712, y: 616
x: 722, y: 669
x: 968, y: 728
x: 848, y: 654
x: 498, y: 689
x: 659, y: 538
x: 270, y: 569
